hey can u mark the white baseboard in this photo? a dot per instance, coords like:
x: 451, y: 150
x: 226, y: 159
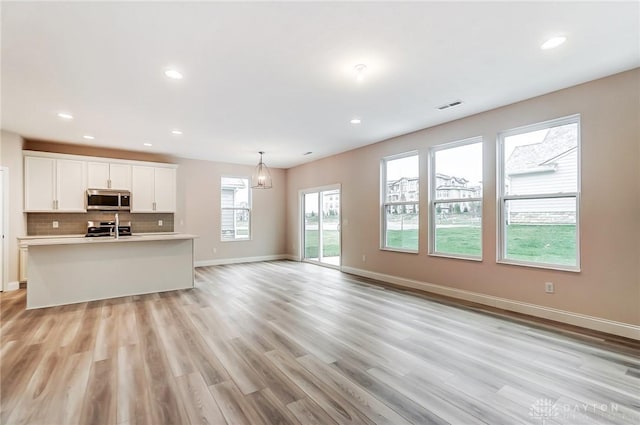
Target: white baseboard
x: 204, y: 263
x: 590, y: 322
x: 12, y: 286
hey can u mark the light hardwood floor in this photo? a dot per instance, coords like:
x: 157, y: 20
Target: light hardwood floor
x: 288, y: 343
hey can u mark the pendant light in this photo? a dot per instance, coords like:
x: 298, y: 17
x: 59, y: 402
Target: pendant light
x: 261, y: 179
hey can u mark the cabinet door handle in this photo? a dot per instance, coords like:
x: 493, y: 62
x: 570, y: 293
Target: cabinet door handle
x: 54, y: 204
x: 154, y: 206
x: 109, y: 183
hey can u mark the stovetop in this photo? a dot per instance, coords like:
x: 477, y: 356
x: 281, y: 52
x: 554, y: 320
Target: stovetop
x: 106, y: 228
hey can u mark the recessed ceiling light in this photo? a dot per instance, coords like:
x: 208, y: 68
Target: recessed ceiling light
x: 173, y: 74
x: 553, y: 42
x: 176, y: 132
x: 147, y: 144
x: 88, y: 137
x: 360, y: 70
x: 355, y: 121
x: 65, y: 116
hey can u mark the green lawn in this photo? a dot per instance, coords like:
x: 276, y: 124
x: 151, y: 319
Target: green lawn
x: 459, y: 240
x: 331, y: 242
x: 403, y: 239
x: 551, y: 244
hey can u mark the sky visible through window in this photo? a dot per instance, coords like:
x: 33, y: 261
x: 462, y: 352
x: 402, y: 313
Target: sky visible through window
x: 463, y: 161
x: 402, y: 167
x: 311, y: 203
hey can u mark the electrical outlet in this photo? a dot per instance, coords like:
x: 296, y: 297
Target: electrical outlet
x: 55, y: 224
x: 160, y: 223
x: 364, y: 258
x: 215, y: 250
x: 548, y: 287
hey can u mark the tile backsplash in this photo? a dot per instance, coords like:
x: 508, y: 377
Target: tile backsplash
x: 41, y: 224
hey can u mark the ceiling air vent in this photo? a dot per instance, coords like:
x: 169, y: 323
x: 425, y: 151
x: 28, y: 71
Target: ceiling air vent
x: 449, y: 105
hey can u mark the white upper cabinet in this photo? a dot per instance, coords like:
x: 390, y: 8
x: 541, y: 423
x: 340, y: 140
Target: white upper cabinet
x: 54, y: 185
x: 153, y: 189
x: 165, y: 189
x: 120, y: 176
x: 104, y: 175
x: 59, y: 182
x: 70, y: 185
x: 142, y: 184
x: 39, y: 184
x: 97, y: 175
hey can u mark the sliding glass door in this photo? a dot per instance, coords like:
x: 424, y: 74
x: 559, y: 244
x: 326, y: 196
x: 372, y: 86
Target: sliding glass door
x: 321, y: 221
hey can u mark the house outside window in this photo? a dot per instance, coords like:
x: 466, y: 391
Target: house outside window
x: 539, y: 189
x: 235, y: 201
x: 400, y: 200
x: 456, y: 199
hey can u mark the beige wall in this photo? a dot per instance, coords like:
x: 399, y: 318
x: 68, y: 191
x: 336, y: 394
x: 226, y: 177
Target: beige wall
x: 609, y: 284
x: 12, y: 159
x: 199, y: 211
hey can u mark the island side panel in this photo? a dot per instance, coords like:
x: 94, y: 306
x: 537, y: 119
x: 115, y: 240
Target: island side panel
x: 67, y: 274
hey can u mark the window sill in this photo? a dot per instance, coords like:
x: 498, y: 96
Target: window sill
x: 572, y: 269
x: 455, y: 257
x: 236, y: 240
x: 404, y: 251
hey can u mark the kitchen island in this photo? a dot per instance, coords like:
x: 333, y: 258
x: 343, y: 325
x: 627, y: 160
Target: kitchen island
x: 69, y: 270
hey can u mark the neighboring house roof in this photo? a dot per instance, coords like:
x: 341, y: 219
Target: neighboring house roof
x: 460, y: 180
x: 402, y: 178
x: 557, y: 142
x: 395, y: 184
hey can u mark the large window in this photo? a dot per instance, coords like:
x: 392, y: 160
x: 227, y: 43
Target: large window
x: 235, y: 201
x: 400, y: 196
x: 456, y: 199
x: 539, y: 186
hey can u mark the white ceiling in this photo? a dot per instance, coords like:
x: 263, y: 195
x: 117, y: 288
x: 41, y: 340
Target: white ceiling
x: 279, y: 77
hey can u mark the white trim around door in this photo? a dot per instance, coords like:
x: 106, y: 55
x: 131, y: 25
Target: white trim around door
x: 302, y: 224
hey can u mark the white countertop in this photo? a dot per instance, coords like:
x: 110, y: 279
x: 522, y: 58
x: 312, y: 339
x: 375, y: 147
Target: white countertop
x: 81, y: 239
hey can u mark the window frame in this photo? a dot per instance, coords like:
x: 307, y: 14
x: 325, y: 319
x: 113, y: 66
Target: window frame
x: 384, y: 203
x: 502, y: 197
x: 248, y: 209
x: 433, y: 201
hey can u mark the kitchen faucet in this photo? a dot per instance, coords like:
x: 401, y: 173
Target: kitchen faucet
x: 116, y: 230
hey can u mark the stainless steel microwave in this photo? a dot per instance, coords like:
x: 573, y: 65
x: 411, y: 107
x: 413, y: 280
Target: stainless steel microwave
x: 108, y: 200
